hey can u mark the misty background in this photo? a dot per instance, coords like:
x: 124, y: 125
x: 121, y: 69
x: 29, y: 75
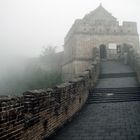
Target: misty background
x: 27, y: 26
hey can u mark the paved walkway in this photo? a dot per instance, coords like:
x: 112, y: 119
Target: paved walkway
x: 110, y: 67
x: 107, y: 121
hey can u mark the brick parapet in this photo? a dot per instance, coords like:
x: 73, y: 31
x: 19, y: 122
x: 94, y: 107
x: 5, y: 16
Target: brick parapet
x: 37, y: 114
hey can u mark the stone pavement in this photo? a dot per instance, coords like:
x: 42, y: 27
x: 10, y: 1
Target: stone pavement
x: 115, y: 67
x: 111, y: 67
x: 107, y: 121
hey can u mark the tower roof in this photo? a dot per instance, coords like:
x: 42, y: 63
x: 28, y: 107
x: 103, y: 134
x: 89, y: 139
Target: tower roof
x: 100, y: 13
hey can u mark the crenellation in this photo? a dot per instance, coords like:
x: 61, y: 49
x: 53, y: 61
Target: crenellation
x: 130, y: 27
x: 106, y: 29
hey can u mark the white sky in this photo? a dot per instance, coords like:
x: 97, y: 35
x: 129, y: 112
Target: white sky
x: 28, y: 25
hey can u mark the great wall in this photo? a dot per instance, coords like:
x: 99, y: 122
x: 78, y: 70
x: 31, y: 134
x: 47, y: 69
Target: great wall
x: 38, y: 114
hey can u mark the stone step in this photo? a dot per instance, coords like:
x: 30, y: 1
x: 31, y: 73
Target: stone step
x: 112, y: 101
x: 110, y: 90
x: 102, y: 95
x: 110, y: 95
x: 117, y: 75
x: 114, y: 98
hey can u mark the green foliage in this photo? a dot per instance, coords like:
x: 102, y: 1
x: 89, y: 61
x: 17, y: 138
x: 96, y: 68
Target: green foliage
x: 32, y: 79
x: 39, y: 78
x: 48, y: 54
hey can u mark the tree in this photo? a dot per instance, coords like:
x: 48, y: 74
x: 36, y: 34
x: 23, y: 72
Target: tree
x: 34, y: 76
x: 48, y: 54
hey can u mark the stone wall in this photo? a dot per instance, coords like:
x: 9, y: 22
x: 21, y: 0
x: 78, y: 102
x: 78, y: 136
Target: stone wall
x: 11, y: 118
x: 39, y: 113
x: 134, y: 60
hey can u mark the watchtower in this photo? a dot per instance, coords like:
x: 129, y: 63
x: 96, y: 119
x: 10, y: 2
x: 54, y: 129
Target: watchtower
x: 100, y: 30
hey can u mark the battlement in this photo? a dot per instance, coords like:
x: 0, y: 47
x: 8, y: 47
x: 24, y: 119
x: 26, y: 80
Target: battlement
x: 103, y: 27
x: 129, y: 24
x: 129, y: 27
x: 101, y: 22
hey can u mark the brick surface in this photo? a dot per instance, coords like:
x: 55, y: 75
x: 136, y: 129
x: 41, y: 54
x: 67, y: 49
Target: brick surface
x: 104, y: 121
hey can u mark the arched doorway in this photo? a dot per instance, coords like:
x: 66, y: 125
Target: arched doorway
x: 103, y: 54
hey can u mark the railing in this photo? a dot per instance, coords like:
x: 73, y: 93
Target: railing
x: 39, y: 113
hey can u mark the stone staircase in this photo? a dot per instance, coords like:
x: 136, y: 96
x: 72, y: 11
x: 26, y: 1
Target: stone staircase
x: 106, y: 95
x: 118, y: 75
x: 112, y: 93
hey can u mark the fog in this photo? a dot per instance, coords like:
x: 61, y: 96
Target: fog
x: 28, y: 25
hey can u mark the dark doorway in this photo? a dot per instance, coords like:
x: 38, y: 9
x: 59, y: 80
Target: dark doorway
x: 102, y: 51
x: 118, y: 48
